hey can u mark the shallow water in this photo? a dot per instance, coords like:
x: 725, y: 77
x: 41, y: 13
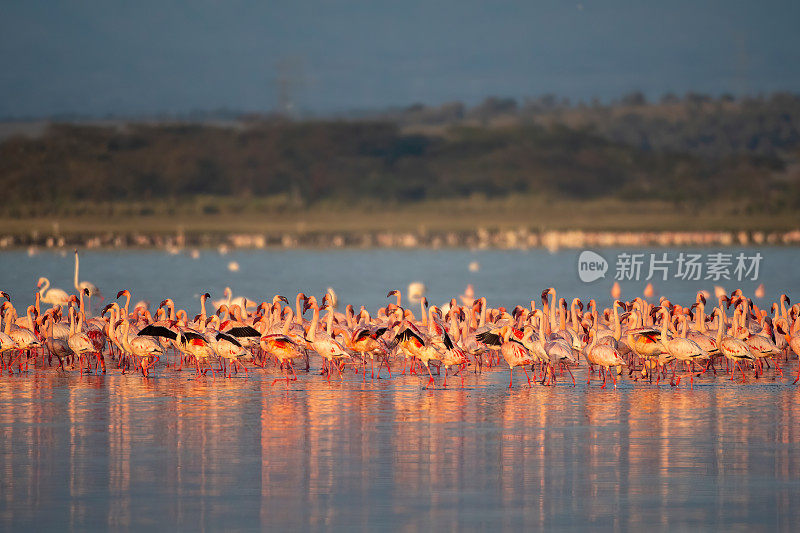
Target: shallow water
x: 363, y: 277
x: 172, y: 452
x: 114, y: 451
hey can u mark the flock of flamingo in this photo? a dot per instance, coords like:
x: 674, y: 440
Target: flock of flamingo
x: 651, y: 341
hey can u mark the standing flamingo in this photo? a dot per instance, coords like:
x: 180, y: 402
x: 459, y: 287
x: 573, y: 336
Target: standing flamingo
x: 88, y: 285
x: 732, y: 348
x: 281, y: 346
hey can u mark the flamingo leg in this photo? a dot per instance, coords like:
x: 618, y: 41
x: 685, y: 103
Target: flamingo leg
x: 777, y: 366
x: 570, y: 374
x: 738, y: 363
x: 430, y: 381
x: 526, y: 375
x: 280, y: 379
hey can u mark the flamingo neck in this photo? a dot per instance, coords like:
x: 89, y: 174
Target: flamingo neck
x: 573, y: 314
x: 329, y: 322
x: 312, y: 329
x: 45, y: 286
x: 77, y: 262
x: 288, y: 322
x: 298, y: 315
x: 700, y: 320
x: 664, y: 324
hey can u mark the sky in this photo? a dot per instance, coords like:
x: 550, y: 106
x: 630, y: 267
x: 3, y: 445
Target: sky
x: 100, y: 57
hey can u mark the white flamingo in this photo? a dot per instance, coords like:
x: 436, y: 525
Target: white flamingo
x: 54, y: 296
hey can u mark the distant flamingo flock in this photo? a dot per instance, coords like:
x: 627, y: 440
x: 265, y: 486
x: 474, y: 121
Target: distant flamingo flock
x: 548, y: 339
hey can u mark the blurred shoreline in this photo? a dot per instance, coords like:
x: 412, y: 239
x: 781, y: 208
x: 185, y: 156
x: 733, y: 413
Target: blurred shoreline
x: 515, y: 222
x: 520, y: 239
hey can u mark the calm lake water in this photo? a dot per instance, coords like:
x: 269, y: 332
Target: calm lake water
x: 171, y: 452
x: 365, y: 276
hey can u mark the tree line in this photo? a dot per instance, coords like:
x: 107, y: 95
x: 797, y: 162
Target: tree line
x: 685, y: 150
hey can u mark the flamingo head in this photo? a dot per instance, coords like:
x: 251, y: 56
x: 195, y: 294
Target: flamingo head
x: 392, y: 292
x: 309, y: 302
x: 328, y: 301
x: 123, y: 292
x: 5, y: 295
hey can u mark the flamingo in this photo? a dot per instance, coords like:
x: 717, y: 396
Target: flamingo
x: 732, y: 348
x: 24, y: 339
x: 602, y: 355
x: 515, y: 354
x: 7, y: 344
x: 793, y: 340
x: 142, y: 346
x: 190, y: 342
x: 78, y: 342
x: 762, y: 347
x: 282, y: 346
x: 227, y: 347
x: 323, y: 342
x: 454, y: 353
x: 417, y: 344
x: 58, y: 347
x: 366, y: 340
x: 681, y: 348
x: 87, y: 285
x: 52, y: 296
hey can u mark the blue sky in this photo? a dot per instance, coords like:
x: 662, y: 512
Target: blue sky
x: 99, y: 57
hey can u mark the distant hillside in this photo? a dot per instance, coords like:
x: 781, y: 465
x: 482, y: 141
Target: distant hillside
x: 692, y: 150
